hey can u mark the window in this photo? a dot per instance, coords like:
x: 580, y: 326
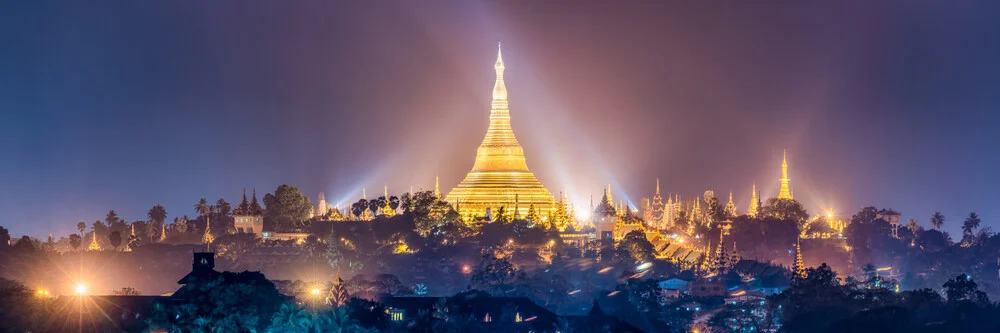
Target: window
x: 396, y: 314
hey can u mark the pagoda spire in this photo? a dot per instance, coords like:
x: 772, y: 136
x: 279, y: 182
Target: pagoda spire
x: 499, y: 88
x: 163, y: 230
x: 730, y: 209
x: 798, y: 270
x: 754, y: 206
x: 784, y: 192
x: 208, y: 238
x: 94, y: 246
x: 437, y: 187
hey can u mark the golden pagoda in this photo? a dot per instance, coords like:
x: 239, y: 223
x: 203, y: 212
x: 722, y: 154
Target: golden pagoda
x: 500, y: 175
x: 784, y: 192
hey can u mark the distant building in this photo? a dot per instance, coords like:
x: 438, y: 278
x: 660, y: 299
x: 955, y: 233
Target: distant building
x: 709, y: 287
x: 891, y: 216
x: 605, y: 217
x: 248, y: 217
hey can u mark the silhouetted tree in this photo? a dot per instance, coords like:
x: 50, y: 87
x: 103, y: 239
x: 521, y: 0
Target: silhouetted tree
x: 937, y: 220
x: 75, y: 241
x: 116, y: 239
x: 82, y: 226
x: 786, y: 209
x: 634, y: 248
x: 4, y: 237
x: 971, y: 224
x: 157, y: 214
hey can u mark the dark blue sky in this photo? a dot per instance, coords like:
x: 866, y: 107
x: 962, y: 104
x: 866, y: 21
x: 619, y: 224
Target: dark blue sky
x: 123, y: 105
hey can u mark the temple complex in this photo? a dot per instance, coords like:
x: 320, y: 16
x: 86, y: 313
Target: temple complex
x: 500, y: 175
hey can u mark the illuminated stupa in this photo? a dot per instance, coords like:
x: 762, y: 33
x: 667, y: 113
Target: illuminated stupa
x: 784, y: 192
x: 500, y: 176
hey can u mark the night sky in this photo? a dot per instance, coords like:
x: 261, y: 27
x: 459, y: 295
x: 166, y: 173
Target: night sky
x: 123, y: 105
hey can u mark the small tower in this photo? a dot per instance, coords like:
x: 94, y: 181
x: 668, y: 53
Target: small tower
x: 322, y: 209
x: 207, y: 238
x: 163, y: 231
x: 730, y: 209
x: 658, y: 208
x: 721, y: 255
x: 437, y: 187
x: 784, y: 192
x: 131, y: 236
x: 94, y: 246
x: 798, y: 270
x: 754, y: 208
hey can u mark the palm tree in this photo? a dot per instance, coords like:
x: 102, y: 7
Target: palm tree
x: 202, y: 207
x: 82, y: 226
x: 971, y: 224
x: 912, y: 225
x: 290, y: 318
x: 359, y: 208
x: 340, y: 321
x: 393, y: 202
x: 373, y: 206
x: 937, y: 220
x: 157, y: 214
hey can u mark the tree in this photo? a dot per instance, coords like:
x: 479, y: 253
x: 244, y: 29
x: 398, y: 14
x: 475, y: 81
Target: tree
x: 786, y: 209
x: 494, y: 274
x: 393, y: 202
x: 865, y: 215
x: 222, y: 207
x: 75, y: 241
x: 634, y: 248
x: 153, y: 230
x: 232, y: 302
x: 82, y: 226
x: 962, y: 288
x: 286, y: 208
x: 157, y: 214
x: 112, y: 218
x: 971, y: 224
x: 25, y: 245
x: 202, y: 208
x: 181, y: 224
x: 937, y: 220
x: 374, y: 206
x: 116, y: 239
x: 4, y: 237
x: 912, y: 226
x: 359, y: 208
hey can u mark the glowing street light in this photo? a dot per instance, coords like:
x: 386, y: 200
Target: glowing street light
x: 80, y: 289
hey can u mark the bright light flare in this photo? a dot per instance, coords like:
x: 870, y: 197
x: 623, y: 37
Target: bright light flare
x: 644, y: 266
x: 604, y: 270
x: 315, y: 291
x: 80, y: 289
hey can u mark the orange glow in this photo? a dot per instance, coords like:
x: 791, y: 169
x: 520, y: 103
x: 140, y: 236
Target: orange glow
x: 80, y: 289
